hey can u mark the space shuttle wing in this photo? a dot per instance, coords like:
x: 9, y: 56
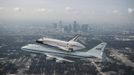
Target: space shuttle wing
x: 58, y: 58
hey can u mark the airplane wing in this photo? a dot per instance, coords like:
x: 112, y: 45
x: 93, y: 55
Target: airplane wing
x: 58, y: 58
x: 75, y: 38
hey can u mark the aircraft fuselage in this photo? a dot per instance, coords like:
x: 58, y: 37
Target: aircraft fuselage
x: 64, y: 45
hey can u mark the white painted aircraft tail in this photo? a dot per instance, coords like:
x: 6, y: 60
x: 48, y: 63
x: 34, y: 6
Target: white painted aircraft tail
x: 97, y: 51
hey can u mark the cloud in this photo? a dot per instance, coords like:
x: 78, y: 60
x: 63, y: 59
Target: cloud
x: 68, y: 8
x: 130, y: 10
x: 115, y: 11
x: 71, y: 10
x: 41, y: 10
x: 118, y: 12
x: 1, y: 8
x: 17, y: 9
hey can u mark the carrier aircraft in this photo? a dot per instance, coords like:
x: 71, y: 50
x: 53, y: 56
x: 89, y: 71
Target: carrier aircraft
x: 62, y: 56
x: 71, y: 45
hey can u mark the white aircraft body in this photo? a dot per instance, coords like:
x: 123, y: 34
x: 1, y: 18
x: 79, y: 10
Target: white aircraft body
x: 61, y: 55
x: 71, y: 45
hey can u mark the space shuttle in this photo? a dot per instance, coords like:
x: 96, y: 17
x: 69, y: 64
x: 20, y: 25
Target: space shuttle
x: 71, y: 45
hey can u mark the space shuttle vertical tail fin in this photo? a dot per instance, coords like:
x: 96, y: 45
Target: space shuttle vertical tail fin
x: 97, y: 51
x: 75, y: 38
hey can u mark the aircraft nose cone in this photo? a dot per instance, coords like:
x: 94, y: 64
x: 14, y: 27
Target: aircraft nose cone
x: 23, y: 48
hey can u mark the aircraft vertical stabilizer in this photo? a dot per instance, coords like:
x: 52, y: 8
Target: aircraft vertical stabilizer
x: 97, y: 51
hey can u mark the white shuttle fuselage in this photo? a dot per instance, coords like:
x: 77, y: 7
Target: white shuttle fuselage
x: 71, y: 45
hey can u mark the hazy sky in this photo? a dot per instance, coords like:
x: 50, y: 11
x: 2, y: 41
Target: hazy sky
x: 68, y: 10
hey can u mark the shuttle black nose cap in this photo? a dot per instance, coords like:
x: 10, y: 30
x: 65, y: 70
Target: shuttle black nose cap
x: 38, y: 41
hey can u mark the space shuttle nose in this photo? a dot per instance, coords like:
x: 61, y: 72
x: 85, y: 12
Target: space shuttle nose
x: 39, y: 41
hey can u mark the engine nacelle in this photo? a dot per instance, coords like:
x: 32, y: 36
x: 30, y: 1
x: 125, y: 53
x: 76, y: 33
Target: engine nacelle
x: 50, y: 58
x: 59, y: 61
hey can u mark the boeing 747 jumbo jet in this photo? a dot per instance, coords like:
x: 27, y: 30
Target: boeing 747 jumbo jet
x: 61, y: 55
x: 71, y: 45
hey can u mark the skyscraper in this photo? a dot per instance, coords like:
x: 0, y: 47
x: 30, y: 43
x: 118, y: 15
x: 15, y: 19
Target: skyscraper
x: 84, y: 28
x: 60, y: 24
x: 76, y: 27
